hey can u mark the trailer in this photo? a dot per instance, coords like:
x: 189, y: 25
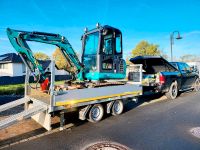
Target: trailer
x: 94, y: 94
x: 91, y: 103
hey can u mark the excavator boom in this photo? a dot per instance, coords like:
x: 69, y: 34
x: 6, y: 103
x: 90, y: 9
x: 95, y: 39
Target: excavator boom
x: 18, y: 40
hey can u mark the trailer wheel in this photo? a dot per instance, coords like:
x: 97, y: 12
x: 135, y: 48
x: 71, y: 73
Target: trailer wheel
x: 197, y: 85
x: 117, y: 107
x: 173, y: 91
x: 96, y: 113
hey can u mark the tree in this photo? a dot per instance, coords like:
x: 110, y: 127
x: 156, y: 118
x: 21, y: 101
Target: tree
x: 60, y: 61
x: 164, y: 55
x: 145, y: 48
x: 128, y: 57
x: 189, y: 57
x: 41, y: 56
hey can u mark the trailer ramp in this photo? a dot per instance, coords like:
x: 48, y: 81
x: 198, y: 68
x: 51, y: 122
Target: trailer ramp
x: 35, y: 109
x: 13, y: 104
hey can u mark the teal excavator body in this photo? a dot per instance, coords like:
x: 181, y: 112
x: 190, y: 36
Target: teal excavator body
x: 101, y: 53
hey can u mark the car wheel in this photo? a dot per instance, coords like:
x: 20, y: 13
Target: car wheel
x: 96, y: 113
x: 117, y: 107
x: 197, y: 85
x: 173, y: 91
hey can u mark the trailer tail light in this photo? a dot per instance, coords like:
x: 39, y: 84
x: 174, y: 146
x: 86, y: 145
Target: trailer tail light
x: 162, y: 79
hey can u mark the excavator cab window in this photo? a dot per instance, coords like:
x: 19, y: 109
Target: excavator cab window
x: 108, y: 45
x: 118, y: 44
x: 91, y: 44
x: 90, y: 51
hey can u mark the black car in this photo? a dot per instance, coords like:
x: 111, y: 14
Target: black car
x: 169, y: 78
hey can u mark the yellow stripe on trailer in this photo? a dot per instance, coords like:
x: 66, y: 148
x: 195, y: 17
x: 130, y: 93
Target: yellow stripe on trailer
x: 72, y: 102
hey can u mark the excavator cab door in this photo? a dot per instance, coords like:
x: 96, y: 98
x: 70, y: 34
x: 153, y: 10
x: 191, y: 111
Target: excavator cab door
x: 89, y: 54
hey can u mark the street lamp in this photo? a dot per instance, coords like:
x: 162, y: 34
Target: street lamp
x: 172, y: 40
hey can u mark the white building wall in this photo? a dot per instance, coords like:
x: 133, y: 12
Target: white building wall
x: 57, y: 72
x: 18, y: 69
x: 8, y: 71
x: 61, y: 72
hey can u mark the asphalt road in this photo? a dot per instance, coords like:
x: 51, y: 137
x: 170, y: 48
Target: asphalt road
x: 161, y: 125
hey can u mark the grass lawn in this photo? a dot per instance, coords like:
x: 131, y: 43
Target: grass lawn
x: 16, y: 89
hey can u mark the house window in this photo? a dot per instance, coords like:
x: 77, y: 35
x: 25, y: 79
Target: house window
x: 3, y: 66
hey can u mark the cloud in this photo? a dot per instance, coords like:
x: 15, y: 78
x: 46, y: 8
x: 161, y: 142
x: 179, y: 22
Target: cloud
x: 3, y: 39
x: 192, y: 33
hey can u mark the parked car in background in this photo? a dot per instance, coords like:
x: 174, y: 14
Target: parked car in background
x: 168, y: 78
x: 195, y: 65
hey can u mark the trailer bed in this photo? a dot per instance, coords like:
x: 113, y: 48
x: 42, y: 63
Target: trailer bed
x: 72, y: 97
x: 79, y: 97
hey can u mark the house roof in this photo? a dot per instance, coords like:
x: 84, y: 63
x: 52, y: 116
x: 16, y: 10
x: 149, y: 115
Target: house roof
x: 45, y: 63
x: 10, y: 57
x: 14, y: 58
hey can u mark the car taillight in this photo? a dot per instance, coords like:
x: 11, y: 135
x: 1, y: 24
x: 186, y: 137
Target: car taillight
x: 162, y: 79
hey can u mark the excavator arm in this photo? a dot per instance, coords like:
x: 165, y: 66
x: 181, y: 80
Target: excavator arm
x: 18, y: 40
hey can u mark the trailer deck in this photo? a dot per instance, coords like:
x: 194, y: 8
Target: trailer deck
x: 80, y: 96
x: 42, y: 106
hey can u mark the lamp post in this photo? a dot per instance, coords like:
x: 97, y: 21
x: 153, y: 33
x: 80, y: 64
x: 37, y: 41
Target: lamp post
x: 172, y: 40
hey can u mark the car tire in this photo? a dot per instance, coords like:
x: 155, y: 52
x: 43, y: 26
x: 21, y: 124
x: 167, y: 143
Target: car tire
x: 196, y: 85
x: 117, y: 107
x: 96, y: 113
x: 173, y: 91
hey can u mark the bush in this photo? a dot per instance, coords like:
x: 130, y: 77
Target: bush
x: 17, y: 89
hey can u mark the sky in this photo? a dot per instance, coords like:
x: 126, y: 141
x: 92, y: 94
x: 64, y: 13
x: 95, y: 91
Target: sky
x: 150, y: 20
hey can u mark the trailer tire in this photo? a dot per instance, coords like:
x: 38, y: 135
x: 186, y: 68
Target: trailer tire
x: 117, y: 107
x: 96, y: 113
x: 173, y: 91
x: 196, y: 85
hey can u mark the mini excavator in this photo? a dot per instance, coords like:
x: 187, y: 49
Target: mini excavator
x: 101, y: 59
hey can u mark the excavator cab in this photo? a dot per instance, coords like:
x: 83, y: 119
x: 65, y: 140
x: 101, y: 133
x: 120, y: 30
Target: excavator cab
x: 102, y: 54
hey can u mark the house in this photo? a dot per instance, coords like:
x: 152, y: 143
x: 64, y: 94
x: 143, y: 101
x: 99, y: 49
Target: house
x: 195, y: 65
x: 46, y: 65
x: 12, y: 65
